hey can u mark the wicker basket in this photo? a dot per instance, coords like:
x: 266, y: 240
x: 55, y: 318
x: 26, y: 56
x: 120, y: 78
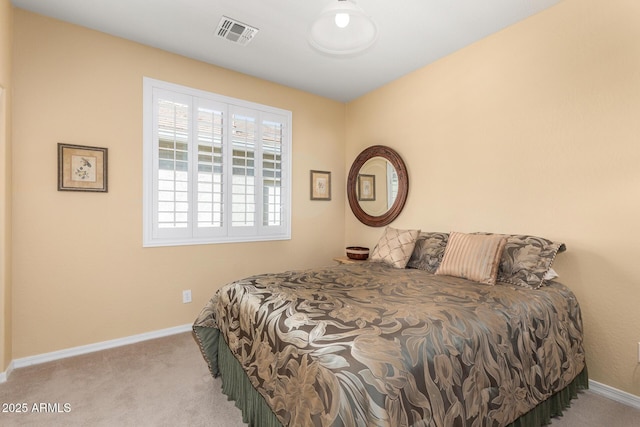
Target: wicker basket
x: 357, y: 252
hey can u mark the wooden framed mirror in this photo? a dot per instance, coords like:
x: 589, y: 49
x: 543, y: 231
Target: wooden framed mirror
x: 377, y: 186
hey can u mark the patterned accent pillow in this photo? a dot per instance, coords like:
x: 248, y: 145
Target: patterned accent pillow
x: 526, y: 260
x: 395, y: 247
x: 429, y: 250
x: 550, y: 275
x: 472, y: 256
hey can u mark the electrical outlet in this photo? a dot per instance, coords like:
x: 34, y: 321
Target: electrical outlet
x: 186, y: 296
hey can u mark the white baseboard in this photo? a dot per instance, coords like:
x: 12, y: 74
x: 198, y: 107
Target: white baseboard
x: 4, y: 375
x: 90, y: 348
x: 615, y: 394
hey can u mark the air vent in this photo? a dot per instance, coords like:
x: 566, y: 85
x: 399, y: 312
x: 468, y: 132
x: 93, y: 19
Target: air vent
x: 235, y: 31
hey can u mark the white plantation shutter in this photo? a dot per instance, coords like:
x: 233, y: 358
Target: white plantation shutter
x: 216, y: 169
x: 209, y: 171
x: 171, y: 165
x: 244, y: 144
x: 274, y: 174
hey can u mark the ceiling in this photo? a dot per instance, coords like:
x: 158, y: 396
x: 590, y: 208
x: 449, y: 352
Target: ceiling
x: 412, y: 34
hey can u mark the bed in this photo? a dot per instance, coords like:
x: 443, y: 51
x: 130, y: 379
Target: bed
x: 371, y: 344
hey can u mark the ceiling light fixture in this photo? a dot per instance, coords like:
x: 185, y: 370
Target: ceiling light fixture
x: 343, y: 29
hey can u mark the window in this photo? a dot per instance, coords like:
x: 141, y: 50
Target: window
x: 216, y: 169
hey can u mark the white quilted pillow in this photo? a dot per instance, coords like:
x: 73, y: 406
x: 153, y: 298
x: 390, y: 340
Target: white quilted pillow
x: 395, y: 247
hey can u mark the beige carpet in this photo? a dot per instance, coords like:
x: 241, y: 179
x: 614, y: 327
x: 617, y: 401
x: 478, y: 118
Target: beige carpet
x: 165, y: 382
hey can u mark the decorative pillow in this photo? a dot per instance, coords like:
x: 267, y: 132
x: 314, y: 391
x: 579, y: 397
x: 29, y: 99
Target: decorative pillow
x: 395, y: 247
x: 550, y: 275
x: 472, y: 256
x: 527, y: 259
x: 429, y: 250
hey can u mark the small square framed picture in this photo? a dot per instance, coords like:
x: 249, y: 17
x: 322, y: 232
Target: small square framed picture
x: 320, y: 185
x: 82, y: 168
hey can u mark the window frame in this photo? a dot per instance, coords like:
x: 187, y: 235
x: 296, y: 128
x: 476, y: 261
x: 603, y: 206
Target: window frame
x: 154, y: 236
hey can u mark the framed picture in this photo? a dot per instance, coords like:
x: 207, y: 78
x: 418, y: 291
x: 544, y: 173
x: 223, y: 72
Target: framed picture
x: 82, y: 168
x: 366, y: 187
x: 320, y: 185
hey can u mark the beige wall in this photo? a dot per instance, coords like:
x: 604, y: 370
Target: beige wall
x: 6, y: 29
x: 533, y: 130
x: 81, y: 274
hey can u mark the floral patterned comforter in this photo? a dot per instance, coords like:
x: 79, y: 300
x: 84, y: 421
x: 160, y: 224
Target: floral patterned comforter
x: 368, y: 344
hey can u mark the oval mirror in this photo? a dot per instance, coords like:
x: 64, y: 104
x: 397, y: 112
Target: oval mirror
x: 377, y: 186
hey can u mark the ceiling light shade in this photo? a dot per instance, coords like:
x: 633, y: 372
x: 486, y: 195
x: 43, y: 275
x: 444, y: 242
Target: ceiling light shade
x: 343, y: 29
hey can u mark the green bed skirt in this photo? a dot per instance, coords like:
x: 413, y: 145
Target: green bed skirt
x: 552, y: 407
x: 236, y: 385
x: 256, y: 412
